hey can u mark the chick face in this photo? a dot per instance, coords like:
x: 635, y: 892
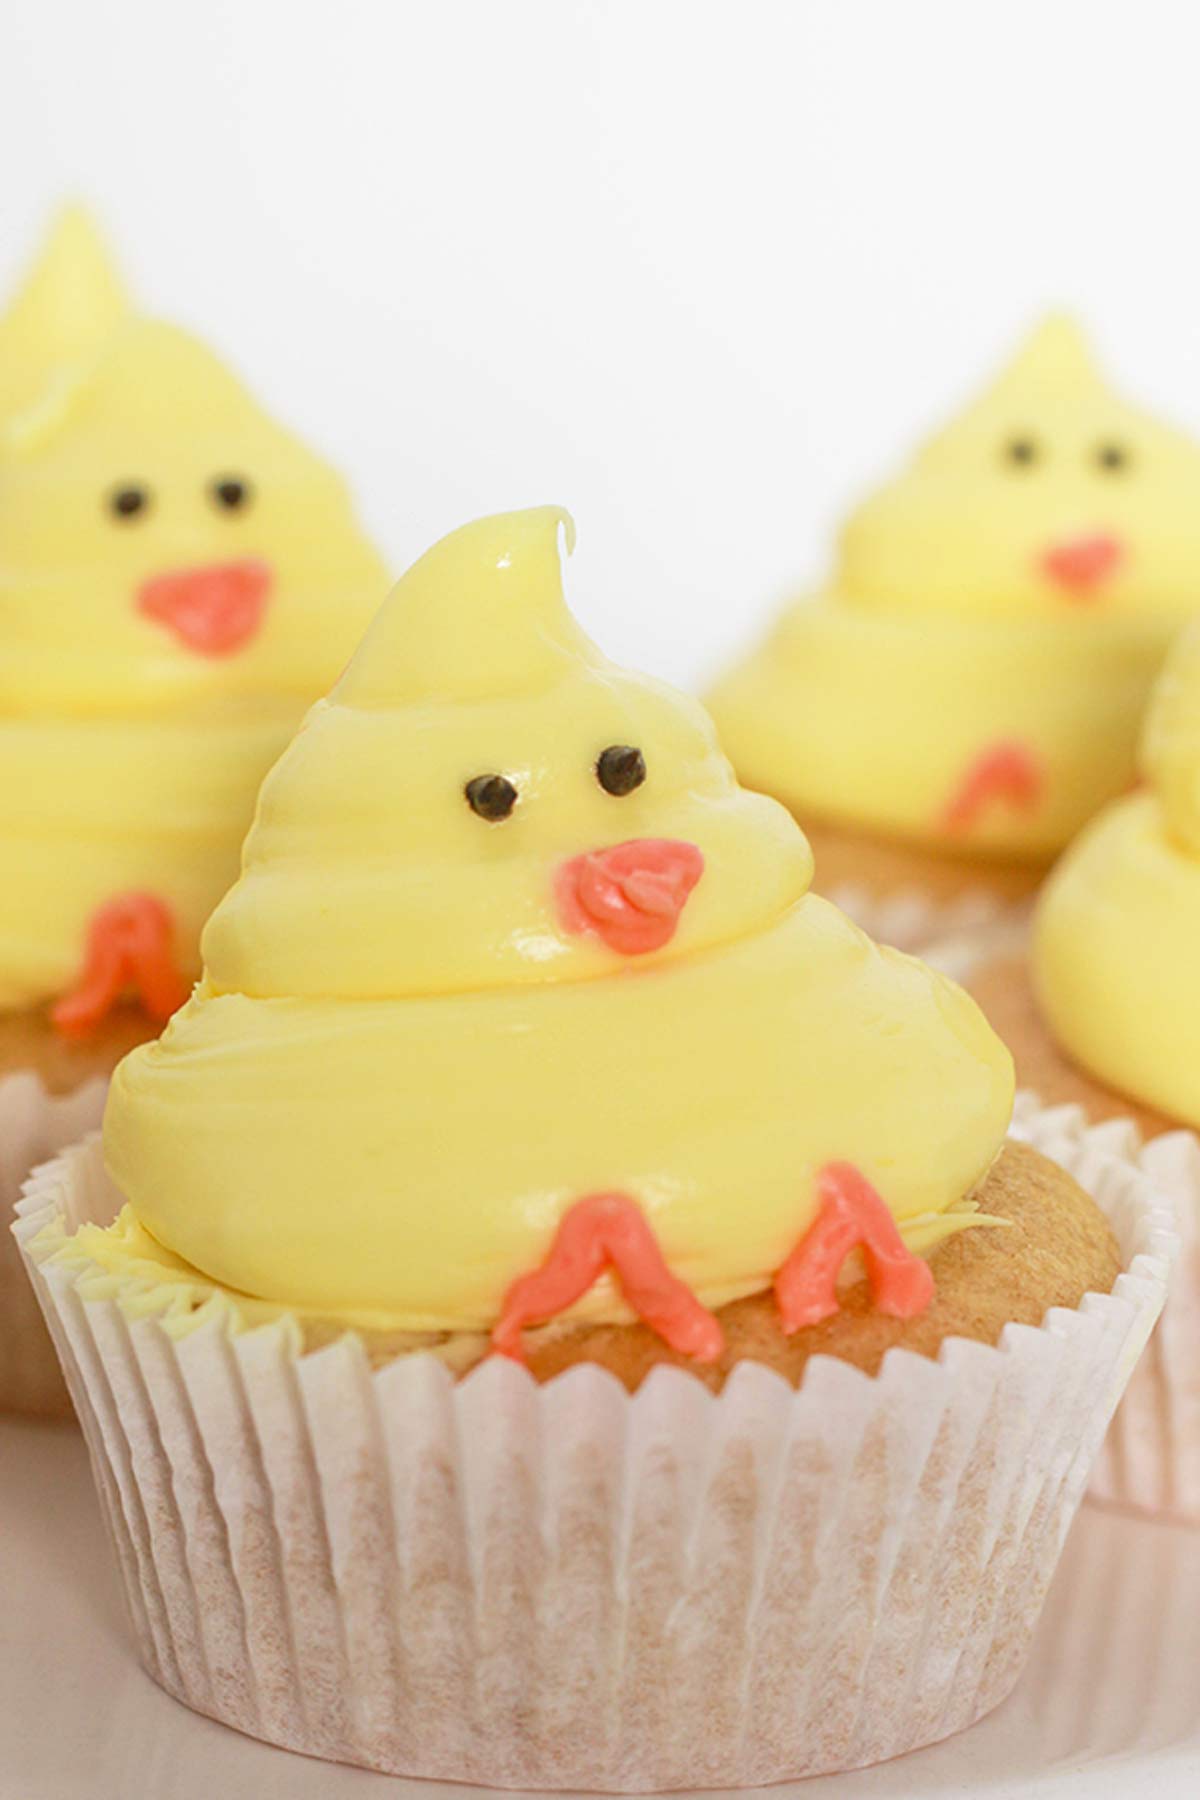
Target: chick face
x: 1050, y: 497
x: 164, y: 543
x: 485, y: 800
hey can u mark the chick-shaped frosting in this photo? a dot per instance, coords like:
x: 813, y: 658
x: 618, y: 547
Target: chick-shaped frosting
x: 179, y: 578
x: 974, y: 676
x: 518, y: 983
x: 1116, y: 952
x: 71, y: 300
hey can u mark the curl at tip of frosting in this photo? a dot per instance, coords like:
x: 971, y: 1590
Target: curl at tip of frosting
x: 1016, y: 586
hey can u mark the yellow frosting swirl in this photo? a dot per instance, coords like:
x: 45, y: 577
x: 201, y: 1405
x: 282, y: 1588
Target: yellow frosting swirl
x: 406, y: 1059
x: 1016, y: 588
x: 1116, y: 956
x: 132, y: 741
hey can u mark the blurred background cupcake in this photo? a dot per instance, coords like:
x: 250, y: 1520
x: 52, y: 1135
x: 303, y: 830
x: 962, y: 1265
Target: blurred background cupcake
x: 1103, y: 1013
x: 523, y: 1032
x: 179, y: 578
x: 967, y: 690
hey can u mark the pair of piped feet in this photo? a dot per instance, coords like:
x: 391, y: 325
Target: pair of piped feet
x: 129, y: 952
x: 606, y: 1231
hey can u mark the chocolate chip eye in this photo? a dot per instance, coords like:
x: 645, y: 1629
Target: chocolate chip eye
x: 231, y: 492
x: 491, y: 796
x: 1021, y: 452
x: 620, y: 769
x: 1114, y: 459
x: 128, y: 500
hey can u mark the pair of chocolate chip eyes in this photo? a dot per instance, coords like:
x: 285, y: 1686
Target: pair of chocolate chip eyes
x: 231, y: 493
x: 619, y: 770
x: 1024, y: 452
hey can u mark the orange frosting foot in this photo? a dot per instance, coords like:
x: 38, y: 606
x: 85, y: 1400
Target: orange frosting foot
x: 851, y: 1216
x: 129, y: 949
x: 602, y: 1231
x: 1006, y: 771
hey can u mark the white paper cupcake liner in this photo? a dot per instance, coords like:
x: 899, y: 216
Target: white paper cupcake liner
x: 569, y: 1587
x: 952, y: 935
x: 33, y: 1126
x: 1151, y: 1457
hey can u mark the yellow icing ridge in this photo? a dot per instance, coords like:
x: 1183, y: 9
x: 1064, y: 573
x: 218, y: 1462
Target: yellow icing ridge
x: 944, y: 632
x: 130, y: 757
x: 1116, y: 954
x: 403, y: 1064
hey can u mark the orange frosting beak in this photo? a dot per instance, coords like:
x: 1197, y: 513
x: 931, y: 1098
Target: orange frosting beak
x: 1080, y: 565
x: 213, y: 610
x: 630, y: 895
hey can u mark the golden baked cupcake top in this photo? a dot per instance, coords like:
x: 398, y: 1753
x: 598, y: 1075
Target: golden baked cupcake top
x: 973, y: 676
x: 522, y: 1007
x: 180, y: 578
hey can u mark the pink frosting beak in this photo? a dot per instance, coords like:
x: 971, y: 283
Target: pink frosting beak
x: 214, y: 610
x: 630, y: 896
x: 1081, y: 564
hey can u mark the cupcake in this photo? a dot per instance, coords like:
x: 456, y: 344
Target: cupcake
x: 1104, y: 1015
x: 559, y: 1306
x: 966, y: 693
x: 180, y: 579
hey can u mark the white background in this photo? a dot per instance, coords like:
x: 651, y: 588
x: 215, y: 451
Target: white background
x: 698, y: 271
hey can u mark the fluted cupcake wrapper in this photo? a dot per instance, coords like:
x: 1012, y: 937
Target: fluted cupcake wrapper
x: 1151, y: 1457
x: 33, y: 1126
x: 567, y: 1586
x: 952, y: 935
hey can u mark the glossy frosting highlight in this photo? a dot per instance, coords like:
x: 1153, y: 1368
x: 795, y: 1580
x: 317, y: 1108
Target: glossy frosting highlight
x: 406, y: 1061
x: 179, y: 577
x: 1116, y: 951
x: 1013, y: 591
